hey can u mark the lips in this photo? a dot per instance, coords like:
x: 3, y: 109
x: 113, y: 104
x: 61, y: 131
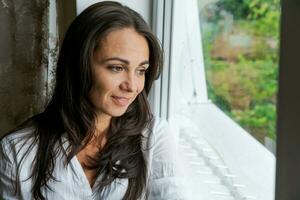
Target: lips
x: 121, y: 101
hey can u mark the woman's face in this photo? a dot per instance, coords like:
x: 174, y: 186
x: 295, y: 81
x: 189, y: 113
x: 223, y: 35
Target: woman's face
x: 119, y: 68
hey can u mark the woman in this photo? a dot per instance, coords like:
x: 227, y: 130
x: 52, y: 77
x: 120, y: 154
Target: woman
x: 97, y: 138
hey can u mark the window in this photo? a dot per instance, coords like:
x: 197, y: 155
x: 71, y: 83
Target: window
x: 223, y: 159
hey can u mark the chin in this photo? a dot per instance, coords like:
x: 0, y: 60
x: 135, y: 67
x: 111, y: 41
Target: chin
x: 118, y: 113
x: 114, y: 111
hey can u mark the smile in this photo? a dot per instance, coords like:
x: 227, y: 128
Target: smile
x: 121, y: 101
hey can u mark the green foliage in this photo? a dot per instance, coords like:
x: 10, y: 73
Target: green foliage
x: 246, y: 87
x: 258, y: 119
x: 261, y: 15
x: 249, y: 9
x: 239, y: 8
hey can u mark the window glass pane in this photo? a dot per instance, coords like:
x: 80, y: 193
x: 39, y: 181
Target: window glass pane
x: 222, y: 86
x: 240, y: 45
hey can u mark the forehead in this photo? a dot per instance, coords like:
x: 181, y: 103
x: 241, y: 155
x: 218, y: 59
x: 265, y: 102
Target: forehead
x: 125, y: 43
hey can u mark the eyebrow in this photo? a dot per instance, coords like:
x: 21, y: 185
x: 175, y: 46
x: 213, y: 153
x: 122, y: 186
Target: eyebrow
x: 124, y: 61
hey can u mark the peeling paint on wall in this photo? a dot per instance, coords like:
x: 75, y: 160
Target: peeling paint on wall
x: 4, y: 4
x: 23, y: 60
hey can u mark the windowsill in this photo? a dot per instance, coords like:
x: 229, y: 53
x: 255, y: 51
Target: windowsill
x: 250, y: 166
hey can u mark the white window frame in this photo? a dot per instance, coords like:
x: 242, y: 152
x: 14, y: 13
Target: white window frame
x: 162, y: 26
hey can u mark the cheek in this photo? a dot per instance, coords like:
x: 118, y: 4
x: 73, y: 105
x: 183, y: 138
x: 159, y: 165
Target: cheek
x: 105, y: 84
x: 98, y: 91
x: 141, y: 85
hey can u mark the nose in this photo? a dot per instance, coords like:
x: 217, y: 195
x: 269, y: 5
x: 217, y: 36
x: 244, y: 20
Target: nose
x: 130, y: 83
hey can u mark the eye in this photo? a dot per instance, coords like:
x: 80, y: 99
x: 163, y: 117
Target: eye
x: 141, y: 71
x: 115, y: 68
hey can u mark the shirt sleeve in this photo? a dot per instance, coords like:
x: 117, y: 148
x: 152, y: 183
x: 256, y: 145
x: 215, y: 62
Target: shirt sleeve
x: 164, y: 181
x: 7, y: 171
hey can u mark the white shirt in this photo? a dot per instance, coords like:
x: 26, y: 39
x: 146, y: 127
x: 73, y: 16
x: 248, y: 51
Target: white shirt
x: 159, y: 154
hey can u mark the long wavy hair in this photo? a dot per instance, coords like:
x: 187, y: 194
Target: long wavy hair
x: 70, y: 112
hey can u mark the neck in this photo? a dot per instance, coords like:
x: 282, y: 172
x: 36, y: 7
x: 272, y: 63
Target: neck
x: 102, y: 124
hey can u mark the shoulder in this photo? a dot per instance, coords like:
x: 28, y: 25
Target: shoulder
x: 157, y: 128
x: 159, y: 123
x: 160, y: 139
x: 162, y: 132
x: 17, y: 136
x: 15, y: 142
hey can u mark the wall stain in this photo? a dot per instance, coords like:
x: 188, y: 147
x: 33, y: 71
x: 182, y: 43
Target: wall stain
x: 4, y: 4
x: 23, y: 71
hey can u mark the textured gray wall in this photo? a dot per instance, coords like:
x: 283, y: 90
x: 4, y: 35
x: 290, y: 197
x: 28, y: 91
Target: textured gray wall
x: 23, y: 60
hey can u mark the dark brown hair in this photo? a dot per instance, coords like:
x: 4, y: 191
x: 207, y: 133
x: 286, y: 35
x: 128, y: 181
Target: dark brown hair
x: 69, y: 110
